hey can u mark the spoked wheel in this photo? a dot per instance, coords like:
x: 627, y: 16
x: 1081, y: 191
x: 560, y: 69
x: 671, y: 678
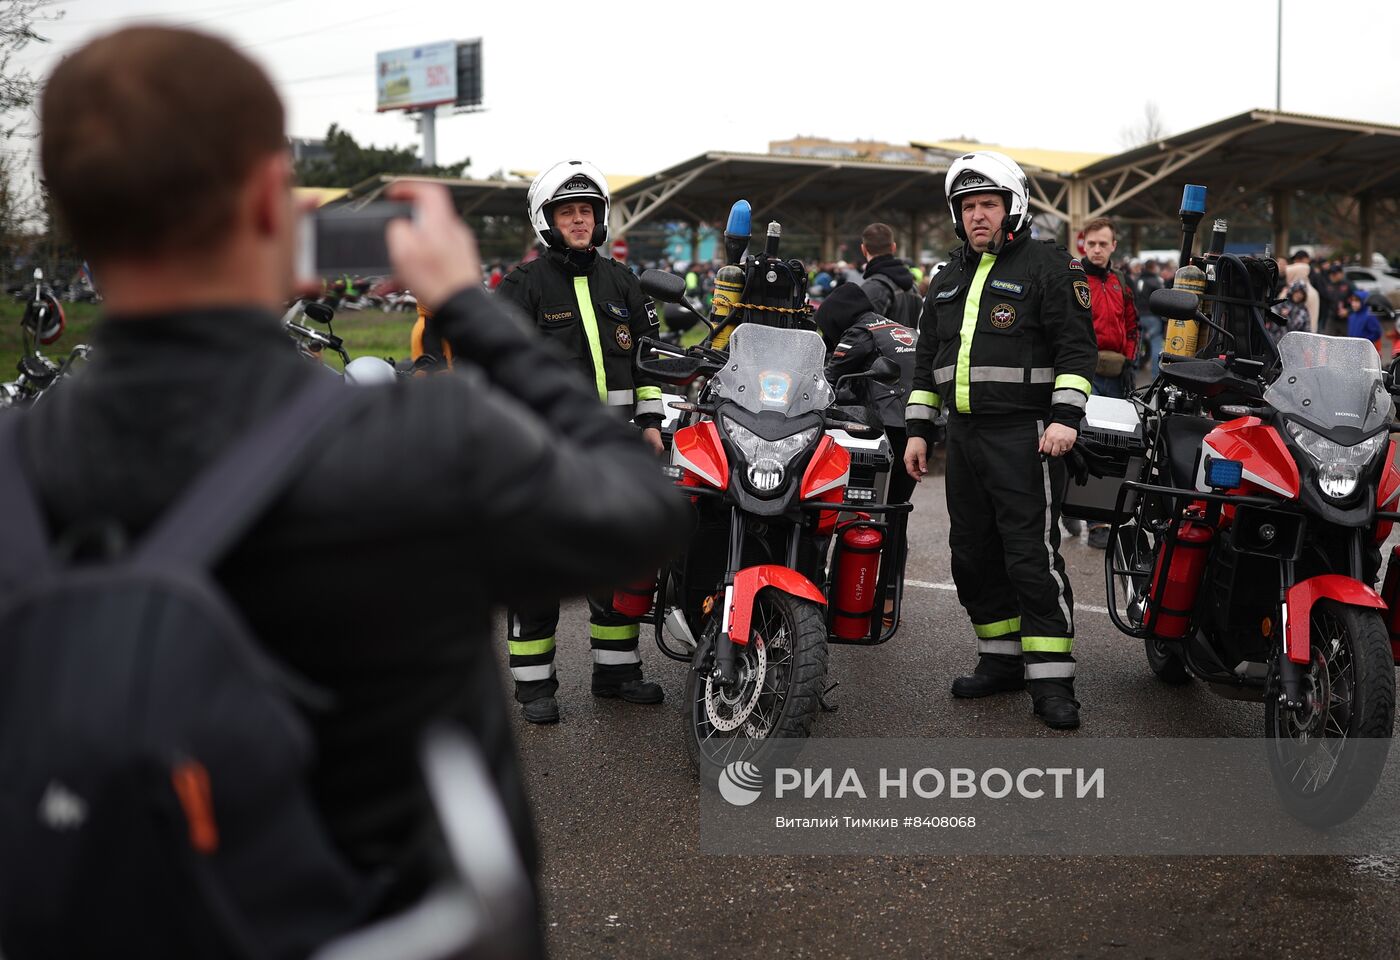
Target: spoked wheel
x: 1327, y: 757
x: 780, y: 674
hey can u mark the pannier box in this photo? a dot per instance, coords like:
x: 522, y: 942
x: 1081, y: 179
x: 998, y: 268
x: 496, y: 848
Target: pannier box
x: 1112, y: 430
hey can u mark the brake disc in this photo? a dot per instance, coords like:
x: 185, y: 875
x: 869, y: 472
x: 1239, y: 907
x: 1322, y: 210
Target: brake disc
x: 752, y: 669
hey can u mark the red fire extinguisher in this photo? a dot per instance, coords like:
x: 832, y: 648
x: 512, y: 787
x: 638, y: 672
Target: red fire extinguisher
x: 1174, y: 589
x: 634, y: 599
x: 858, y: 565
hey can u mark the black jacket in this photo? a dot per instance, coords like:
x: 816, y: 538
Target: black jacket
x: 582, y: 302
x: 375, y: 574
x: 849, y: 302
x: 1147, y: 284
x: 864, y: 342
x: 1026, y: 351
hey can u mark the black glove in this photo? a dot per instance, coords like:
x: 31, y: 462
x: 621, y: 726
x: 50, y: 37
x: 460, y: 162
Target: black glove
x: 1076, y: 464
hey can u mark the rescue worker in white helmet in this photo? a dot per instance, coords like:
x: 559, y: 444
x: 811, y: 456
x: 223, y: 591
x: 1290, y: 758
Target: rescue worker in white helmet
x: 593, y: 309
x: 1006, y: 344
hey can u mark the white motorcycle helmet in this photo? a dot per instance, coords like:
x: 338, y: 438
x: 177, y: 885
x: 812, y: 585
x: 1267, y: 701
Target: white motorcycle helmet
x: 568, y: 180
x: 369, y: 372
x: 987, y: 171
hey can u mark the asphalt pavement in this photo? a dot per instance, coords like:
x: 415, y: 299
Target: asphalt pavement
x: 616, y: 804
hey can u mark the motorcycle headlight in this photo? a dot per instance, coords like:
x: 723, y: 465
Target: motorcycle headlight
x: 1339, y: 468
x: 767, y: 459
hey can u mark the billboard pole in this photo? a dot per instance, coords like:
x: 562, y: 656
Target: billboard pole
x: 427, y: 123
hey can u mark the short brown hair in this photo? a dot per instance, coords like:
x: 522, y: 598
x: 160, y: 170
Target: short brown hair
x: 147, y: 136
x: 878, y: 239
x: 1098, y: 223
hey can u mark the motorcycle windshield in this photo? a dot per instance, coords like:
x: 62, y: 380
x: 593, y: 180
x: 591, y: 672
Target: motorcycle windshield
x: 773, y: 369
x: 1330, y: 382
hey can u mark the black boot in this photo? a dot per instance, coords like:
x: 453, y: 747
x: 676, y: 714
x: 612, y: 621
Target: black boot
x: 629, y: 691
x: 1055, y: 704
x: 541, y: 710
x: 1058, y: 713
x: 995, y: 673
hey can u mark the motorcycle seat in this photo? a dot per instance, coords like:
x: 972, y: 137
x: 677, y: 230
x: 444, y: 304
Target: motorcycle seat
x: 1183, y: 436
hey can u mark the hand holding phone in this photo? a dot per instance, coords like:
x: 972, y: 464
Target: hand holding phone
x: 434, y: 254
x: 342, y: 240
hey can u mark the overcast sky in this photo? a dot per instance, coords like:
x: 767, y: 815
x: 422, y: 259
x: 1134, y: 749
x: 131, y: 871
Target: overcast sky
x: 638, y: 86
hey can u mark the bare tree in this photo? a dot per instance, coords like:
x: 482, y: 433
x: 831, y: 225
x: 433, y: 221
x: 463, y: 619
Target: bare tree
x: 20, y: 23
x: 1150, y: 127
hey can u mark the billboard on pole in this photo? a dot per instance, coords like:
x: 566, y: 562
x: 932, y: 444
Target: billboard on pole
x: 416, y: 77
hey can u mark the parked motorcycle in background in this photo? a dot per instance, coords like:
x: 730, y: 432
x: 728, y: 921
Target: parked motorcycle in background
x: 1249, y: 489
x: 42, y: 323
x: 312, y: 344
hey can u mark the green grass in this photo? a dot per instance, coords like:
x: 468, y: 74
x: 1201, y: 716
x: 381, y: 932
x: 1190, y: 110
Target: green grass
x: 366, y: 333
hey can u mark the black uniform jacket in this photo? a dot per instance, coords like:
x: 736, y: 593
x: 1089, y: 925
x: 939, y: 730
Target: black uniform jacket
x: 594, y: 310
x: 1007, y: 335
x: 374, y: 575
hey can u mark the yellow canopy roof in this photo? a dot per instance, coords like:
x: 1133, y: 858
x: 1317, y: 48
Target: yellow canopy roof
x: 616, y: 181
x: 1053, y: 161
x: 322, y: 195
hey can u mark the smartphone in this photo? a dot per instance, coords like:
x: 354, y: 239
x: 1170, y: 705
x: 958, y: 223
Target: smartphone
x: 338, y: 240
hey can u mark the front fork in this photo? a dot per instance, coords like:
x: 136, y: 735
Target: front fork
x: 725, y: 669
x: 1290, y: 672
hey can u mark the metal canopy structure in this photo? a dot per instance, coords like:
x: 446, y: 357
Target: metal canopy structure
x: 1261, y: 153
x: 1240, y: 159
x: 824, y: 197
x: 489, y: 198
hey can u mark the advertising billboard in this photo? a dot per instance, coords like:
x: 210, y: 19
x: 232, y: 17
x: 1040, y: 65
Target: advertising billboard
x: 416, y: 77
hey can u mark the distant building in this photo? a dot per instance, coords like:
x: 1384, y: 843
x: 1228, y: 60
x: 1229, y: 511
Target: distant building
x: 824, y: 149
x: 305, y: 148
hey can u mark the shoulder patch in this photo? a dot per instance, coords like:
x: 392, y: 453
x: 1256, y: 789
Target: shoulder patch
x: 1081, y: 293
x: 1074, y: 264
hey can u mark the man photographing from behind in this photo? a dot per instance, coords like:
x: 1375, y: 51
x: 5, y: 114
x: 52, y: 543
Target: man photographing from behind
x: 165, y: 155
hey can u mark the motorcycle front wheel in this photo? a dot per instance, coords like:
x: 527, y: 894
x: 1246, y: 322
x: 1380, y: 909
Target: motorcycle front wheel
x: 1326, y: 758
x: 781, y: 671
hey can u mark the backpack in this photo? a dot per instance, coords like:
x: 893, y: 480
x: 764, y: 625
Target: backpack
x: 153, y: 791
x: 891, y: 302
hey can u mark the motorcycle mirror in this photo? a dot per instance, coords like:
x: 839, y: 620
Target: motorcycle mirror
x: 663, y: 286
x: 1173, y: 304
x: 886, y: 371
x: 320, y: 312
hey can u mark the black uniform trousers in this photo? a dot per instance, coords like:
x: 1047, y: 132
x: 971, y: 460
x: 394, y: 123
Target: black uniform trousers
x: 1004, y: 509
x: 616, y: 656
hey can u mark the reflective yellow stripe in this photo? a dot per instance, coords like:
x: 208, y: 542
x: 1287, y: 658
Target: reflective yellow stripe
x: 985, y: 631
x: 1047, y: 644
x: 962, y: 390
x: 629, y: 631
x: 1068, y: 381
x: 925, y: 397
x: 590, y: 330
x: 530, y: 648
x: 648, y: 393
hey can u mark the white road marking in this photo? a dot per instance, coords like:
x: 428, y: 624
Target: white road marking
x: 926, y: 585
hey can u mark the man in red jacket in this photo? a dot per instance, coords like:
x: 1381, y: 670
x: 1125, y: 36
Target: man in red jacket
x: 1115, y: 326
x: 1115, y: 315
